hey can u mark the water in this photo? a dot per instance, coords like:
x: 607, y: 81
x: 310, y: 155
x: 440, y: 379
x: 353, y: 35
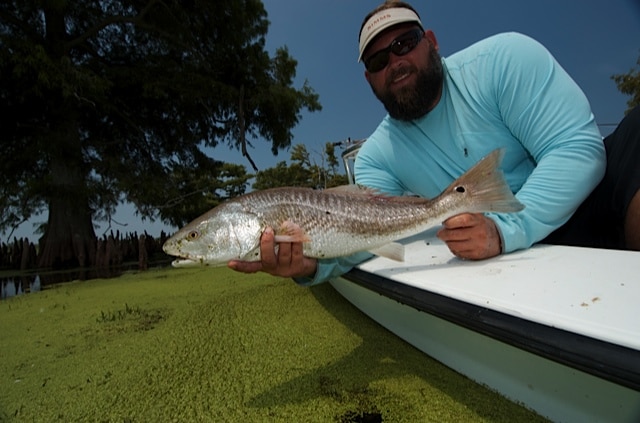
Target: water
x: 18, y: 285
x: 13, y: 285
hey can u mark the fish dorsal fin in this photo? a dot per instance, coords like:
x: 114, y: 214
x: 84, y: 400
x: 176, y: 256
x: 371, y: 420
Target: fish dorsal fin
x: 393, y: 251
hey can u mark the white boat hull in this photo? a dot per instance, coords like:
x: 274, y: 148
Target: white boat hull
x: 553, y: 328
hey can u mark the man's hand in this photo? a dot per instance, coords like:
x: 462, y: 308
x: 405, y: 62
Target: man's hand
x: 288, y: 262
x: 471, y: 236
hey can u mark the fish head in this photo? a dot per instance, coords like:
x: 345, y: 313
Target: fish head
x: 216, y: 237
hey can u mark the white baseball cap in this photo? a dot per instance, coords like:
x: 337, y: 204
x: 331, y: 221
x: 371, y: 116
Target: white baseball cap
x: 382, y: 20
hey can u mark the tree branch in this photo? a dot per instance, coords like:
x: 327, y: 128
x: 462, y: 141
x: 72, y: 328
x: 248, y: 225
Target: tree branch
x: 242, y: 136
x: 241, y: 130
x: 21, y: 25
x: 110, y: 21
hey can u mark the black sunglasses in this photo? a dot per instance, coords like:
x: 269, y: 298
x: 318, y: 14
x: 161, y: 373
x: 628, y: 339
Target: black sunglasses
x: 400, y: 46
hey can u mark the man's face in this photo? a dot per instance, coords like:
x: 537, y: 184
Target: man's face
x: 410, y: 85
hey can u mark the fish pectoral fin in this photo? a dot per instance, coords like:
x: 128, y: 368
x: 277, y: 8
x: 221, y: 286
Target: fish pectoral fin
x: 393, y: 251
x: 290, y: 232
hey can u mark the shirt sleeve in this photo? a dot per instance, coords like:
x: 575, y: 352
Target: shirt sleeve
x: 550, y: 115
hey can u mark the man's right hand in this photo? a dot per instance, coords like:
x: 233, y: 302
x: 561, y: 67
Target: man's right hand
x: 288, y: 262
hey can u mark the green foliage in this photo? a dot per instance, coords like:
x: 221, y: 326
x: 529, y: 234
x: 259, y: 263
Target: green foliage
x: 302, y: 172
x: 629, y: 84
x: 128, y: 95
x: 334, y: 176
x: 190, y: 192
x: 282, y: 175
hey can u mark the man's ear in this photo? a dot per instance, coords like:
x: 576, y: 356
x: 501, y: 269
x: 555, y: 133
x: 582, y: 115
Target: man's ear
x: 432, y: 38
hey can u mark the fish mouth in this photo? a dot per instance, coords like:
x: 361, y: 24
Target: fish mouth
x: 197, y: 261
x: 186, y: 262
x: 181, y: 260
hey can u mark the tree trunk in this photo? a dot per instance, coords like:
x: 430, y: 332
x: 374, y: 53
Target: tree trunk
x: 69, y: 239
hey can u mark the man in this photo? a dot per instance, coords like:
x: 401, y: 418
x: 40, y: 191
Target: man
x: 444, y: 115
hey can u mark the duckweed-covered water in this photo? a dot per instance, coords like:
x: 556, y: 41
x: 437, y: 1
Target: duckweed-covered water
x: 211, y: 345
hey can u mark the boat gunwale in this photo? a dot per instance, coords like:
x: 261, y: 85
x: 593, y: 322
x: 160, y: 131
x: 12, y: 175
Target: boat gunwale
x: 615, y: 363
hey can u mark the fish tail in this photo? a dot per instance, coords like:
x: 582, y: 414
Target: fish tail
x: 485, y: 188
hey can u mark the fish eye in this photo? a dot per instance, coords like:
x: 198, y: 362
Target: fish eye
x: 193, y: 235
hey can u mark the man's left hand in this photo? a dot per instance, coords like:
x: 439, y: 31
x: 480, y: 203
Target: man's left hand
x: 471, y: 236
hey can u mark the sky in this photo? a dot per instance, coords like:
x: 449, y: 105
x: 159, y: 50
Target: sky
x: 591, y: 39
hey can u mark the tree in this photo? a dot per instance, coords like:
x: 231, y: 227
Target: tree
x: 302, y: 172
x: 119, y: 100
x: 629, y: 83
x: 192, y: 191
x: 283, y: 175
x: 333, y: 176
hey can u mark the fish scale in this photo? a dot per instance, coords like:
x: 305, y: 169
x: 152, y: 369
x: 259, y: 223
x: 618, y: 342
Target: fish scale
x: 335, y: 222
x: 346, y: 220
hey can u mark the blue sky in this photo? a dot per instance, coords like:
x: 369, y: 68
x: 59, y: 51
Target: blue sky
x: 592, y: 40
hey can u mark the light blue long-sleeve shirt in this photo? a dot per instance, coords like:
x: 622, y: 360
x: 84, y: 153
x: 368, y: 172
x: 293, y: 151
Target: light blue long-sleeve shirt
x: 506, y: 91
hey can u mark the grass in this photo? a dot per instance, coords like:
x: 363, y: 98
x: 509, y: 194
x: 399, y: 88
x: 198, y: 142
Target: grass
x: 211, y: 345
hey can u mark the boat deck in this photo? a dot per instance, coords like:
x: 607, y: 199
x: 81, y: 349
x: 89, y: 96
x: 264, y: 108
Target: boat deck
x: 592, y: 292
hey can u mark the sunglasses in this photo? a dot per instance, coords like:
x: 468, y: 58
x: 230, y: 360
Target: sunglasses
x: 400, y: 46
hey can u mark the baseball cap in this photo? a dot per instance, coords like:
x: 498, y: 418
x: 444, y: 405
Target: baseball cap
x: 382, y: 20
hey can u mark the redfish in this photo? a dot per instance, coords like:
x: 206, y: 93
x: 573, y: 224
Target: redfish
x: 337, y: 221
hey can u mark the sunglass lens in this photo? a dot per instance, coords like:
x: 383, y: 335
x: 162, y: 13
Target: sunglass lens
x: 400, y: 46
x: 377, y: 61
x: 405, y: 46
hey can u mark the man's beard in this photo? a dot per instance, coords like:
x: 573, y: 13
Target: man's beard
x: 414, y: 102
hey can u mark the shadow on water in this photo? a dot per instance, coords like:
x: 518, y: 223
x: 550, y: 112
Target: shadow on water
x: 24, y: 283
x: 375, y: 361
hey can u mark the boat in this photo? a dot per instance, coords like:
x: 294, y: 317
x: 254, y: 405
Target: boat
x: 553, y: 328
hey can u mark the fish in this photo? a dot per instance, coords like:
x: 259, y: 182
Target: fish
x: 337, y: 221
